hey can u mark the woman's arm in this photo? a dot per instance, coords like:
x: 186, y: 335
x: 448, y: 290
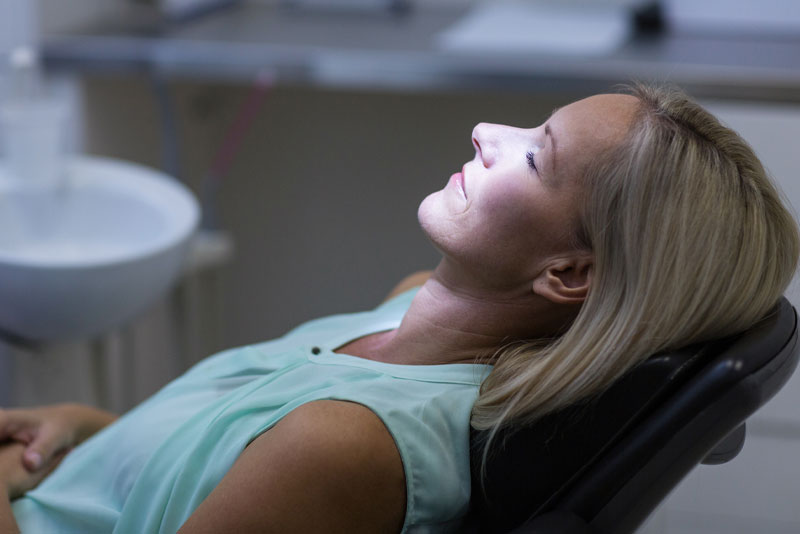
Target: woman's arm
x: 413, y: 280
x: 328, y: 466
x: 33, y: 442
x: 15, y: 480
x: 10, y: 459
x: 8, y: 525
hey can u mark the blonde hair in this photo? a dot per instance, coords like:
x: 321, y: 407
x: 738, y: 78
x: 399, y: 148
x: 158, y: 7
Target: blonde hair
x: 691, y: 242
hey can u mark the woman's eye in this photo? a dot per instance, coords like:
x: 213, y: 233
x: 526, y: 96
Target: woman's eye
x: 531, y: 161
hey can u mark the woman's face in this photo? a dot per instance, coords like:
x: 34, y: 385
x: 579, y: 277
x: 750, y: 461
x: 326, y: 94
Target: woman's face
x: 515, y: 206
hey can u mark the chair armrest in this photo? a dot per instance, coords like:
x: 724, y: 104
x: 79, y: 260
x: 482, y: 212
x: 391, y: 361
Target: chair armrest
x: 727, y: 449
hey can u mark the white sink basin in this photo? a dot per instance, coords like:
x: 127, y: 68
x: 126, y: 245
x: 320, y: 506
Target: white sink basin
x: 92, y: 255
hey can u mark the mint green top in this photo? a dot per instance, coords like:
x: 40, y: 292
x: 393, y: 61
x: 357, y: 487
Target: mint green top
x: 150, y: 470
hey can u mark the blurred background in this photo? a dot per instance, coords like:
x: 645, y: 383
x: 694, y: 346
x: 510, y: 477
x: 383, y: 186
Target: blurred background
x: 310, y: 130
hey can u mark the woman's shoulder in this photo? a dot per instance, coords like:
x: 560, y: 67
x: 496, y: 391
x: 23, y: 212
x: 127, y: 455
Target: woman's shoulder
x: 326, y: 466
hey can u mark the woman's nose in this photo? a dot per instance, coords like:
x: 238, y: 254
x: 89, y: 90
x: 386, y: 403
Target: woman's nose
x: 484, y: 138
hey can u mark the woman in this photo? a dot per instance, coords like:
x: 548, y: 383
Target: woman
x: 624, y: 225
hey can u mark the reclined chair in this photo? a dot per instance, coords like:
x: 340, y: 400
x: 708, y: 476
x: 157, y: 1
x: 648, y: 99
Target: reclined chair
x: 604, y: 465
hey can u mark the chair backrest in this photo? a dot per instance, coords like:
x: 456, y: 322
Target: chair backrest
x: 611, y: 460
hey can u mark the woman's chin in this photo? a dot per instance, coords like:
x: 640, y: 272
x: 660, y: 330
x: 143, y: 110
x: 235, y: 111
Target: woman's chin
x: 426, y: 210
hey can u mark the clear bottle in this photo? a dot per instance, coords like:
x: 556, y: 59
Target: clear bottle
x: 31, y: 125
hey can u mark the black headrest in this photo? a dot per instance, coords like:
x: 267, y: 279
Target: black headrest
x: 531, y: 469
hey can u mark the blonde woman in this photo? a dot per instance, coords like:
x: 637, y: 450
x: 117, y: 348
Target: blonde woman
x: 624, y: 225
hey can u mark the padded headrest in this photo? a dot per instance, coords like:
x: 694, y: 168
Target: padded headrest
x: 530, y: 468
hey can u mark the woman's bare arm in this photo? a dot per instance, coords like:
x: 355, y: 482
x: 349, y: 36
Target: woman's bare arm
x: 33, y: 442
x: 328, y: 466
x: 413, y: 280
x: 15, y: 480
x: 8, y: 525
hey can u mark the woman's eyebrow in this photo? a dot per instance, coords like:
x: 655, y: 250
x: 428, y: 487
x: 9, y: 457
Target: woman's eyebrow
x: 548, y: 132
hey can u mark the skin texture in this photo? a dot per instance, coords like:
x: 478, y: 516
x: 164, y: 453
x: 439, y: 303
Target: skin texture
x: 509, y: 270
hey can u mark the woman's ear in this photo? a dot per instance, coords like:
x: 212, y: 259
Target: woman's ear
x: 565, y: 280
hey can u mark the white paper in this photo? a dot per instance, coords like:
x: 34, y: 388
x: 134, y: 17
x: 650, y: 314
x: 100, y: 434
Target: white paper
x: 519, y: 26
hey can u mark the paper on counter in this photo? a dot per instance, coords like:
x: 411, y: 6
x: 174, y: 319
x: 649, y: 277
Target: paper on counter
x: 519, y: 26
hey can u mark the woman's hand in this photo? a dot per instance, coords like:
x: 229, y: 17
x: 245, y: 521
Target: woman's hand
x: 15, y: 479
x: 49, y: 432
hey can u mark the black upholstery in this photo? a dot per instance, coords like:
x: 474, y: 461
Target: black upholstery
x: 604, y: 465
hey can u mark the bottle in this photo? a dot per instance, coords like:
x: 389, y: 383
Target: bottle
x: 31, y: 125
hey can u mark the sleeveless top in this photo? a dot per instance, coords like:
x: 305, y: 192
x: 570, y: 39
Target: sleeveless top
x: 152, y: 468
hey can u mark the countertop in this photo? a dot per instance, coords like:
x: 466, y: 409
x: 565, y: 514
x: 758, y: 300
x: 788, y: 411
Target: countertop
x: 379, y: 51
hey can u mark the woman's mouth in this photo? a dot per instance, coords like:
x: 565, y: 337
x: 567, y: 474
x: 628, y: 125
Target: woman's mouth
x: 458, y: 181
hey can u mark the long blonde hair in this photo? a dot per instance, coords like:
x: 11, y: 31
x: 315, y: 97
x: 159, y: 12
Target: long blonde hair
x: 691, y: 242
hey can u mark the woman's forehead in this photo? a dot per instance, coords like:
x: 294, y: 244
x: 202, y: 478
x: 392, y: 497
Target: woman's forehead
x: 611, y: 113
x: 587, y: 128
x: 597, y: 123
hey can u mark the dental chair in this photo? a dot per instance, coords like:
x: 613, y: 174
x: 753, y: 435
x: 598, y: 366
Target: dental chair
x: 604, y: 465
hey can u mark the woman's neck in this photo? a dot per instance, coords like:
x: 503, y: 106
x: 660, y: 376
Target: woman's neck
x: 447, y: 324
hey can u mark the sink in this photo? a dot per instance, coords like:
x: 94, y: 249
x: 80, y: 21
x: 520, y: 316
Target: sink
x: 92, y: 254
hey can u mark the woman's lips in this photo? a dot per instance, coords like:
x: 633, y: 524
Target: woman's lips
x: 458, y: 181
